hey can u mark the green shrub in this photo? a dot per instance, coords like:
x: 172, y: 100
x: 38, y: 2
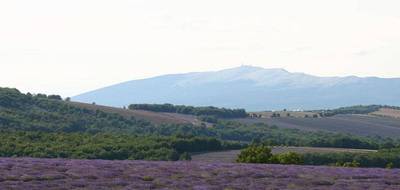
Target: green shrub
x: 255, y: 154
x: 290, y: 158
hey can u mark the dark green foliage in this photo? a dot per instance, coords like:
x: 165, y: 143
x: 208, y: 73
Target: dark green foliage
x: 353, y: 164
x: 209, y: 119
x: 198, y: 111
x: 40, y: 113
x: 262, y: 155
x: 383, y: 158
x: 54, y: 97
x: 185, y: 156
x: 196, y: 145
x: 102, y: 146
x: 290, y: 158
x: 255, y: 154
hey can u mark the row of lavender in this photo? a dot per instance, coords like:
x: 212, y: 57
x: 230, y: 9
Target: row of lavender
x: 29, y: 173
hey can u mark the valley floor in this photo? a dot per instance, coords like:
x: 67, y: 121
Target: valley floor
x: 31, y: 173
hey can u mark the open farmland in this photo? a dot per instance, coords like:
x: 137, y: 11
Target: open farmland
x: 300, y: 114
x: 364, y: 125
x: 36, y: 174
x: 387, y: 112
x: 230, y: 156
x: 154, y: 117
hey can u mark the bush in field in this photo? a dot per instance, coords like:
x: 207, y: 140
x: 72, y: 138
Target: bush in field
x: 290, y: 158
x: 389, y: 165
x: 262, y: 155
x: 353, y: 164
x: 255, y: 154
x: 185, y: 156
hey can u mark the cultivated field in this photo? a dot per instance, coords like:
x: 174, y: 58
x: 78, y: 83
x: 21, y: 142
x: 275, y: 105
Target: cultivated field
x: 230, y: 156
x: 38, y: 174
x: 300, y: 114
x: 365, y: 125
x: 154, y: 117
x: 386, y: 112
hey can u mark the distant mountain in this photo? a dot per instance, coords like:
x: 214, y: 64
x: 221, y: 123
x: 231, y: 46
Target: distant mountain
x: 252, y: 88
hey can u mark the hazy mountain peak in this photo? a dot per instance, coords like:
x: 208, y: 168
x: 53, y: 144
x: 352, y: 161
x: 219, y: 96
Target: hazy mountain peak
x: 250, y: 68
x: 253, y: 88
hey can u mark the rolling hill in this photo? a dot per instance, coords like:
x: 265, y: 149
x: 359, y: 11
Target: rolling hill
x: 252, y: 88
x: 153, y: 117
x: 355, y: 124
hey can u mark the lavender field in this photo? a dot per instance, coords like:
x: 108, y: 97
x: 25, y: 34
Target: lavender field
x: 29, y: 173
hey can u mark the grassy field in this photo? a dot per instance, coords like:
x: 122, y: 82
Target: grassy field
x: 230, y: 156
x: 38, y: 174
x: 386, y: 112
x: 364, y: 125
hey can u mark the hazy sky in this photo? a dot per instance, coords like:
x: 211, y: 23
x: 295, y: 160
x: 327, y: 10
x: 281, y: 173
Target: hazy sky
x: 71, y: 46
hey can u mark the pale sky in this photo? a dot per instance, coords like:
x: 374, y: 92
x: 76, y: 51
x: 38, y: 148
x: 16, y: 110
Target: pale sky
x: 71, y: 46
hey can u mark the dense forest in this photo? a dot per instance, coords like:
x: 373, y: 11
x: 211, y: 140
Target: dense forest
x: 105, y: 146
x: 198, y: 111
x: 47, y: 126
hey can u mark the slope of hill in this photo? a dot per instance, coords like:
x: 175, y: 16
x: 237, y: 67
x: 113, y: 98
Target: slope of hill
x: 365, y: 125
x: 252, y: 88
x: 387, y: 112
x: 41, y: 113
x: 154, y: 117
x: 38, y: 174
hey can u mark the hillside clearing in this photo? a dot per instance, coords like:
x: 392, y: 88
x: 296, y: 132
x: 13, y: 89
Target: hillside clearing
x: 156, y: 118
x: 387, y: 112
x: 364, y: 125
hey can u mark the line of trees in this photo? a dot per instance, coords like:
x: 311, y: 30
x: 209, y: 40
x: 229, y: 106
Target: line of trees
x: 386, y: 158
x: 191, y: 110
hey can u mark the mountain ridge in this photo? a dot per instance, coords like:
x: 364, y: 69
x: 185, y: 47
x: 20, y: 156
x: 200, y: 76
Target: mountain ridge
x: 252, y: 88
